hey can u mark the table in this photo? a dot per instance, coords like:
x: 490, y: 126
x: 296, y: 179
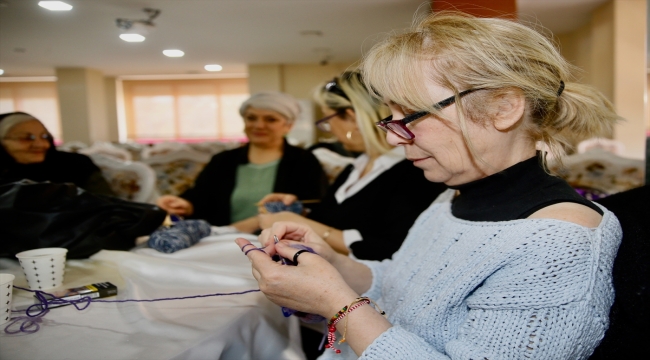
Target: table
x: 245, y: 326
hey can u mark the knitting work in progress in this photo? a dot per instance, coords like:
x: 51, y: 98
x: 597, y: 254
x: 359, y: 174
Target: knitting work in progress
x: 520, y: 289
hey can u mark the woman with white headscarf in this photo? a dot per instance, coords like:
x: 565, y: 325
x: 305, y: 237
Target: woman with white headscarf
x: 27, y: 152
x: 232, y: 183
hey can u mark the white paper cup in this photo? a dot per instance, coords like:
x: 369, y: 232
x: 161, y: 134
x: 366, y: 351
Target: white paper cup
x: 6, y: 289
x: 44, y: 268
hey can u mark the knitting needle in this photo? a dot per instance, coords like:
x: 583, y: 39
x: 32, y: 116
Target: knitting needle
x: 275, y: 239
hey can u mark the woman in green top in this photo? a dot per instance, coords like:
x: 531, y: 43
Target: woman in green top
x: 226, y: 191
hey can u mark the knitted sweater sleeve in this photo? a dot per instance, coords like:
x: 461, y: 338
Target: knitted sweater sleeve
x: 550, y: 300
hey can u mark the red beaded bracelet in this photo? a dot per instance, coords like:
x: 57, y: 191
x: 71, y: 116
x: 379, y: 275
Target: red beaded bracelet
x: 331, y: 324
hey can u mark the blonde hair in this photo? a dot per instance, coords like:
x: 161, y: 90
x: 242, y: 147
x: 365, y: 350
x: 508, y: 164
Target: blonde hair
x: 460, y: 52
x: 367, y: 109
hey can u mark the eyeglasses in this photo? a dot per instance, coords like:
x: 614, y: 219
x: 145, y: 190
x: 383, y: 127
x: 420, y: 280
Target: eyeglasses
x: 30, y: 138
x: 398, y: 127
x: 324, y: 124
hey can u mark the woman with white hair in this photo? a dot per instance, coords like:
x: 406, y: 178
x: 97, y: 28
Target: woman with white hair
x: 228, y: 188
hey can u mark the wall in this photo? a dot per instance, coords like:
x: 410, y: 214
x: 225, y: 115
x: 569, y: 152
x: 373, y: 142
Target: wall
x: 611, y: 51
x: 298, y: 80
x: 110, y: 91
x: 82, y: 102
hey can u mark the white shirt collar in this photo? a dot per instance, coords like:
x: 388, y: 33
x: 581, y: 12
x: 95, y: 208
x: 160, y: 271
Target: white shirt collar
x: 354, y: 184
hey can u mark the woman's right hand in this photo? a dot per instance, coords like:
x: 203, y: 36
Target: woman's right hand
x: 313, y: 285
x: 286, y: 230
x: 175, y: 205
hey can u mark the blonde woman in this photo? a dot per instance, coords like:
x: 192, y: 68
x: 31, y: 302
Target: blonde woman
x: 510, y: 265
x: 347, y: 216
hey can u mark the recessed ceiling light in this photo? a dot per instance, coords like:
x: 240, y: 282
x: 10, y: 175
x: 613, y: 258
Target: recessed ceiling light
x: 213, y: 67
x: 55, y: 5
x: 173, y: 53
x: 132, y: 37
x: 2, y: 71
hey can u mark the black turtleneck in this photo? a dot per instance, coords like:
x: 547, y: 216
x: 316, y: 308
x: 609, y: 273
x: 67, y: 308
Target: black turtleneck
x: 514, y: 193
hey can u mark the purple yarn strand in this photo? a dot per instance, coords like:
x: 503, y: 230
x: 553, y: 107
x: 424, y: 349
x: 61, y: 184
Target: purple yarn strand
x: 33, y: 319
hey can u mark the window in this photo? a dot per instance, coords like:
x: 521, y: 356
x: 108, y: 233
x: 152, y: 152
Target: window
x: 39, y: 99
x: 184, y: 110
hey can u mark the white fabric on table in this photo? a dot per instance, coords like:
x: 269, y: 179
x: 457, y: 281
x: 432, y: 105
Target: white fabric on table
x: 227, y: 327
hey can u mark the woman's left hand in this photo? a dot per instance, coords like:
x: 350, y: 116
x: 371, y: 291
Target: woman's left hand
x: 313, y: 286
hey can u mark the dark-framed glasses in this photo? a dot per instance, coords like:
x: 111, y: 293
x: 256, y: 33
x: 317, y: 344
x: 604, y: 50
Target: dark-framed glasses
x: 324, y: 123
x: 30, y: 137
x: 398, y: 127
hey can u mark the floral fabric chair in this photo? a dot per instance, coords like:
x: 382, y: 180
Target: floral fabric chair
x: 107, y: 149
x: 598, y: 173
x: 176, y: 171
x: 129, y: 180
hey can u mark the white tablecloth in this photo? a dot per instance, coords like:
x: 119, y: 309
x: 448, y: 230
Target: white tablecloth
x: 228, y: 327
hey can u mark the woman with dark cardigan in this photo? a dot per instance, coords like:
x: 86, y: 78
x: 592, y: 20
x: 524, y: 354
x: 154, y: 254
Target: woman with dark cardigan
x: 228, y: 188
x: 28, y: 152
x: 354, y: 216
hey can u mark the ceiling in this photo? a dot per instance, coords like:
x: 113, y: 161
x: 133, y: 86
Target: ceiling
x: 232, y: 33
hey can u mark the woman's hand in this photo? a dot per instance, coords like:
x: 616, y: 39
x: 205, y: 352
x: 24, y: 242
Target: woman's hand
x: 300, y: 233
x: 267, y: 220
x: 286, y: 199
x: 313, y: 286
x: 175, y: 205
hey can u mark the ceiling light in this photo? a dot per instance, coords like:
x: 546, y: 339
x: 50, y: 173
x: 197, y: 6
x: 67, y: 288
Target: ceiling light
x: 55, y: 5
x: 213, y: 67
x: 173, y: 53
x: 132, y: 37
x: 2, y: 71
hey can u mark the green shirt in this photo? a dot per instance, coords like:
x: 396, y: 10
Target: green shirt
x: 253, y: 182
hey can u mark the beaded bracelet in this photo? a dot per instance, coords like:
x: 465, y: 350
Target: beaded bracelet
x: 331, y: 324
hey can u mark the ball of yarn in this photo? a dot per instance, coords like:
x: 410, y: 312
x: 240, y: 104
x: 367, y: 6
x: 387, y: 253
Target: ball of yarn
x: 180, y: 235
x: 278, y: 206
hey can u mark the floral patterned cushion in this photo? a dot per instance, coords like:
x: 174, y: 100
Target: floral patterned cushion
x: 124, y: 183
x: 174, y: 177
x: 129, y: 180
x: 598, y: 173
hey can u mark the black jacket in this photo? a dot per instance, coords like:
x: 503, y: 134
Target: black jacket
x: 383, y: 211
x: 299, y: 173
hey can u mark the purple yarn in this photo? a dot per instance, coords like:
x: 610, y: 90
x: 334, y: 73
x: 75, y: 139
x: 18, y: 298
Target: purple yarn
x: 303, y: 316
x: 32, y: 320
x: 590, y: 194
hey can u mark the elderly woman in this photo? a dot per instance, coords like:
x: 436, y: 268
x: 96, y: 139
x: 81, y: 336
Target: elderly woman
x: 228, y: 188
x: 347, y: 217
x: 512, y: 264
x: 28, y: 152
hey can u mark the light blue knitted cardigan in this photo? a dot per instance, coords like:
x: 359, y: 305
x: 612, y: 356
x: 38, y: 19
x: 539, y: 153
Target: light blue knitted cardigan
x: 521, y: 289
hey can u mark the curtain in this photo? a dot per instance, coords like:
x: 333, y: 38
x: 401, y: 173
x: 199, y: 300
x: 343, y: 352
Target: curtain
x: 36, y: 98
x: 184, y: 110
